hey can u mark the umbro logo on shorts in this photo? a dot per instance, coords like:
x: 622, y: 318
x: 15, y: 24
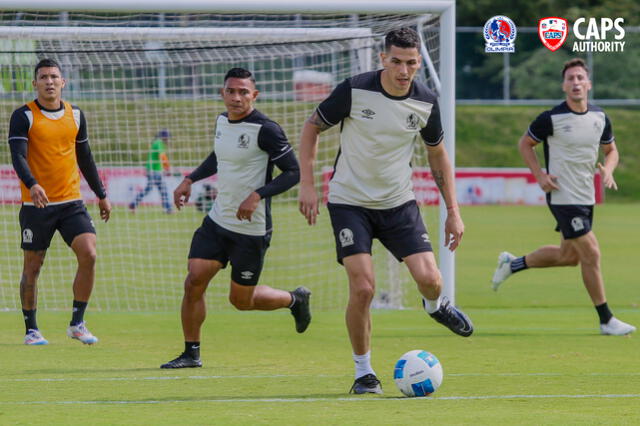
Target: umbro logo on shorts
x: 346, y: 237
x: 246, y: 275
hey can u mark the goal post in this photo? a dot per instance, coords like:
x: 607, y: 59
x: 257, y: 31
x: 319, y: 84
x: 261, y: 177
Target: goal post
x: 137, y: 68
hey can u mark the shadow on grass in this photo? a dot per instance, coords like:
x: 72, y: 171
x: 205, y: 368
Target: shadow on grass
x: 93, y: 371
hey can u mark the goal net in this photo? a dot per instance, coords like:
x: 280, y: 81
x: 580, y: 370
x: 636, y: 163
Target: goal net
x: 136, y: 74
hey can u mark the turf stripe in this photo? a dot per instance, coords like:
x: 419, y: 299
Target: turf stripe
x: 275, y: 376
x: 347, y: 399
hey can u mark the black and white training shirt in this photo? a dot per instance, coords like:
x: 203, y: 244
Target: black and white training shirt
x: 246, y: 151
x: 377, y: 139
x: 571, y: 141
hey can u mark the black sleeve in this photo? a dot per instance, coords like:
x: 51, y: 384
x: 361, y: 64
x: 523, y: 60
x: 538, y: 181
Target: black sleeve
x: 88, y: 169
x: 18, y: 137
x: 19, y: 126
x: 19, y: 159
x: 337, y: 106
x: 82, y: 135
x: 209, y: 167
x: 432, y: 133
x: 541, y: 128
x: 607, y: 134
x: 273, y: 141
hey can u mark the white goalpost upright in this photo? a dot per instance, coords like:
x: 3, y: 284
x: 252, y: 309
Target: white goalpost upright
x: 137, y: 67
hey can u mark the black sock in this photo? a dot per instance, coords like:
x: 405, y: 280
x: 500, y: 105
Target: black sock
x: 518, y: 264
x: 604, y: 313
x: 78, y: 312
x: 192, y: 349
x: 30, y: 319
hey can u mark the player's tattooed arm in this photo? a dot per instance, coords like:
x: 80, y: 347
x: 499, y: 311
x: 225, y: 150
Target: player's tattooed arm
x: 438, y: 177
x: 318, y: 122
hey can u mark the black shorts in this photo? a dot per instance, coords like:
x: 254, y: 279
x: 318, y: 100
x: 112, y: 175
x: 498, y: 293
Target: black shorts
x: 245, y: 252
x: 400, y: 229
x: 39, y: 225
x: 573, y: 220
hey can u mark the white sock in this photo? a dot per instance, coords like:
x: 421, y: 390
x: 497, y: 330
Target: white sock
x: 431, y: 305
x: 363, y: 364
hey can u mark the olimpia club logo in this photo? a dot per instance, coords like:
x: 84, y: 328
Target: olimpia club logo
x: 499, y: 35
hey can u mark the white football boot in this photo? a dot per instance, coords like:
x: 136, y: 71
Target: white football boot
x: 34, y: 337
x: 503, y: 270
x: 82, y: 333
x: 615, y: 327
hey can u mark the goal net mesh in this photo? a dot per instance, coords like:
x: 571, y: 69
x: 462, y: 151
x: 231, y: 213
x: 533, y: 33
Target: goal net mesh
x: 136, y: 74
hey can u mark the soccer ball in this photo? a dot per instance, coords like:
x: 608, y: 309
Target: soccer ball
x: 418, y: 373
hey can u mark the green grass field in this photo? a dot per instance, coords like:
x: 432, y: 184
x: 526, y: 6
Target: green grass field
x: 536, y: 356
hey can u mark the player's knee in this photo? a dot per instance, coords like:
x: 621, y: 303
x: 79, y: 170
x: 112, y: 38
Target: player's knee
x: 430, y: 279
x: 241, y: 304
x: 363, y: 292
x: 194, y: 284
x: 571, y: 260
x: 591, y: 256
x: 32, y: 269
x: 88, y: 258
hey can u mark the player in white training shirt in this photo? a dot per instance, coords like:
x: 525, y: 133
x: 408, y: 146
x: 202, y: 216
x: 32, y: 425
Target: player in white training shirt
x: 237, y: 230
x: 382, y: 114
x: 571, y: 133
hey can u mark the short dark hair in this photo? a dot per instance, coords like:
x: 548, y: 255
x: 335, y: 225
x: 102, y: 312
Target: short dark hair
x: 404, y: 37
x: 163, y: 134
x: 46, y: 63
x: 239, y: 73
x: 575, y: 62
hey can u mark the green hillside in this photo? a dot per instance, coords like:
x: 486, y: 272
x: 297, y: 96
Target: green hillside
x: 487, y: 136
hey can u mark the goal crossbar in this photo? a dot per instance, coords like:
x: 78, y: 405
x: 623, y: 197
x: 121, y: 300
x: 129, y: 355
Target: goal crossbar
x: 237, y: 6
x: 178, y: 34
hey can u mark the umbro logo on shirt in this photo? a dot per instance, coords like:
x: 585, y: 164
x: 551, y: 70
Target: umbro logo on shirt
x: 368, y: 114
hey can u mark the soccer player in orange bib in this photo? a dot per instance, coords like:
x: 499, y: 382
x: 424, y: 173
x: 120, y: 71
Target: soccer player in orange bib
x: 48, y: 141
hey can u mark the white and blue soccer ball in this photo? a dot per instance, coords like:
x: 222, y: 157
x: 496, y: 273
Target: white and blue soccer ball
x: 418, y: 373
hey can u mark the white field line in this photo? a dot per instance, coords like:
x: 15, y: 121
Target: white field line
x: 276, y: 376
x: 306, y: 400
